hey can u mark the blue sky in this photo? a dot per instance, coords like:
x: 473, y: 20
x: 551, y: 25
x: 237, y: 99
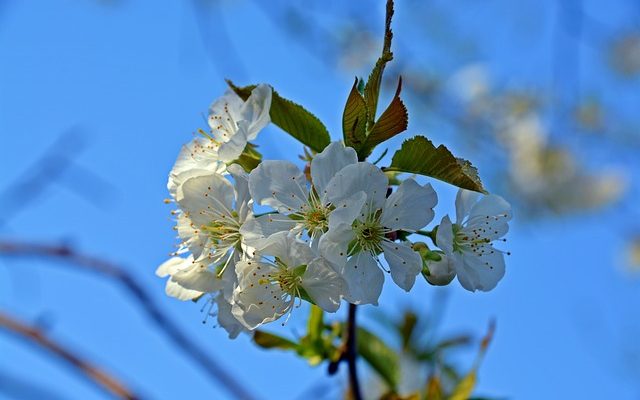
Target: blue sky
x: 134, y: 80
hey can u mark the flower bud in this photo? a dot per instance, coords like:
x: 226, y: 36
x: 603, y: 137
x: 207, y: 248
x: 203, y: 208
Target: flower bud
x: 438, y: 272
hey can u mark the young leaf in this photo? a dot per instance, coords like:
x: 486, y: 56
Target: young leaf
x: 268, y: 340
x: 419, y: 156
x: 393, y: 120
x: 434, y: 389
x: 292, y: 118
x: 379, y: 356
x: 250, y: 158
x: 372, y: 88
x: 354, y: 119
x: 465, y: 387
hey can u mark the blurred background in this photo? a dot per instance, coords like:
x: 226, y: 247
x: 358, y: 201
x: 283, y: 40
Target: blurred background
x: 96, y: 98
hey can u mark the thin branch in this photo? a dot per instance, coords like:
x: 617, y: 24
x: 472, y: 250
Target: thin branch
x: 96, y: 265
x: 352, y: 353
x: 93, y: 374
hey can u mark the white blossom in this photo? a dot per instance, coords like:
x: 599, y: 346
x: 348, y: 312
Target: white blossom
x: 356, y: 245
x: 188, y: 279
x: 198, y: 157
x: 235, y: 122
x: 281, y: 185
x: 213, y: 212
x: 284, y: 271
x: 468, y: 241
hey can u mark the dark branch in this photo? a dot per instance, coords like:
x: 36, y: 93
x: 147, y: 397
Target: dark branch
x: 95, y: 265
x: 93, y: 374
x: 352, y: 353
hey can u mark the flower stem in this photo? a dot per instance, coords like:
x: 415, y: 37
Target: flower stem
x: 352, y: 354
x: 430, y: 234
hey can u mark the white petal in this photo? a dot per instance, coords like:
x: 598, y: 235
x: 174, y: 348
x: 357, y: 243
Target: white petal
x: 347, y: 210
x: 171, y: 266
x: 256, y: 110
x: 323, y: 284
x: 194, y: 240
x: 243, y: 197
x: 334, y: 244
x: 204, y: 196
x: 197, y: 276
x: 177, y: 291
x: 279, y: 184
x: 232, y: 149
x: 410, y: 207
x: 465, y: 199
x: 226, y: 318
x: 358, y: 177
x: 364, y: 279
x: 255, y: 230
x: 327, y: 163
x: 230, y: 278
x: 198, y: 157
x: 480, y: 273
x: 491, y: 205
x: 254, y: 301
x: 404, y: 263
x: 444, y: 235
x: 229, y: 104
x: 288, y: 249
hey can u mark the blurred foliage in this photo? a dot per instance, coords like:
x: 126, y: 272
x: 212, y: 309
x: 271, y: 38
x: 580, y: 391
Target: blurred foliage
x: 561, y: 144
x: 409, y: 360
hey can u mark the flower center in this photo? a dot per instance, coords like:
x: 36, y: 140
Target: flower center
x: 288, y: 280
x: 370, y: 234
x: 465, y: 239
x: 317, y: 218
x: 224, y: 230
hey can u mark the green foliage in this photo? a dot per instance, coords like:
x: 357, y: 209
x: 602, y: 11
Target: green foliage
x: 383, y: 359
x: 250, y: 158
x: 292, y: 118
x: 372, y: 88
x: 316, y: 346
x: 419, y: 156
x: 394, y: 120
x: 464, y: 388
x: 360, y: 128
x: 268, y: 340
x: 354, y: 118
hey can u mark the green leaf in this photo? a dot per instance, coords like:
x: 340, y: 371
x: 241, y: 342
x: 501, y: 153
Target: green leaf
x: 372, y: 88
x: 292, y: 118
x: 419, y: 156
x: 268, y: 340
x: 464, y: 388
x: 394, y: 120
x: 434, y: 389
x: 354, y: 119
x: 379, y: 356
x: 407, y: 328
x: 250, y: 158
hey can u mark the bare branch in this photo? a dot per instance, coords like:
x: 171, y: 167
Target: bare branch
x: 101, y: 267
x: 351, y: 353
x: 93, y: 374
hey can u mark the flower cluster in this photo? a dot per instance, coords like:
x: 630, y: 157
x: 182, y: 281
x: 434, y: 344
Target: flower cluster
x: 325, y: 234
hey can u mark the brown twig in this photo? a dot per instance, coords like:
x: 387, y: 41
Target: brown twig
x: 352, y: 353
x: 95, y: 375
x: 96, y: 265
